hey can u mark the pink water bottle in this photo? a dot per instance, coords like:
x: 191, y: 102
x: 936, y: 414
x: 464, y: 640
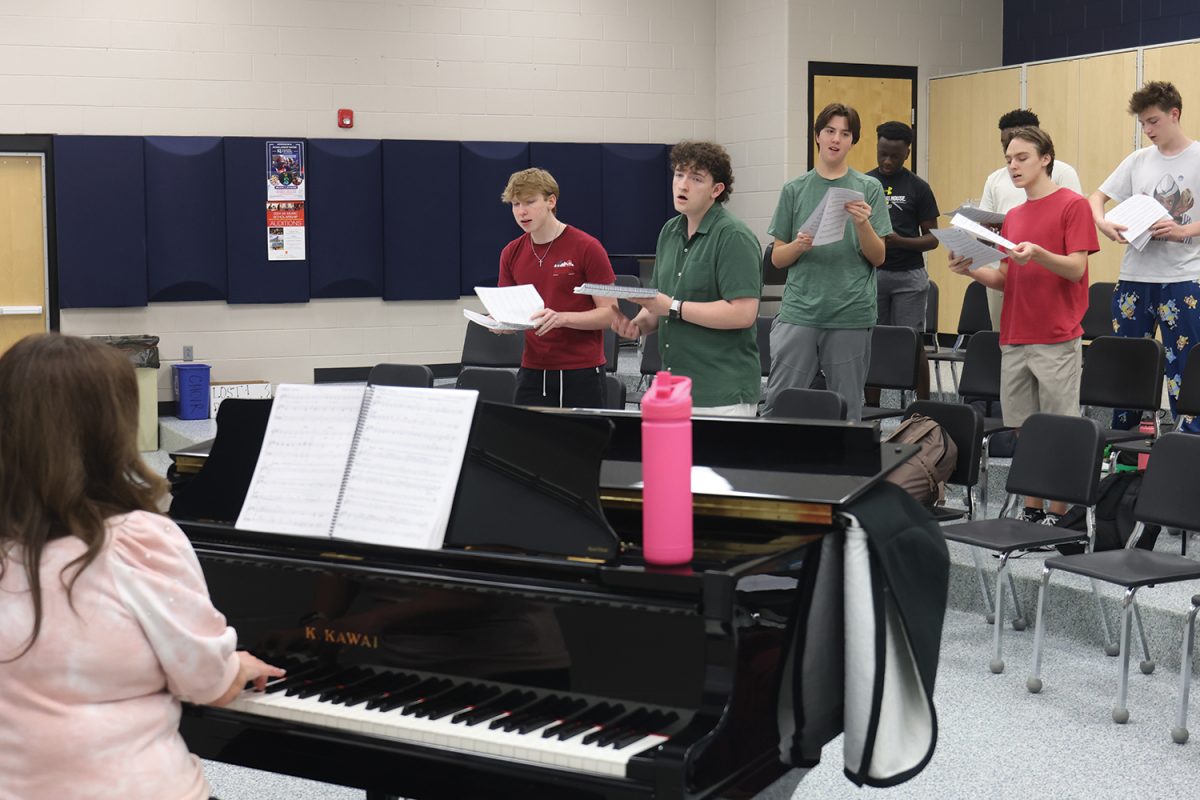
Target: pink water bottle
x: 667, y: 470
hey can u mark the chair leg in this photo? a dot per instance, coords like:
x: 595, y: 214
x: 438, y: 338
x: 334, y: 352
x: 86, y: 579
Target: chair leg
x: 988, y: 610
x: 997, y: 664
x: 1120, y: 713
x: 937, y: 377
x: 1180, y: 732
x: 983, y: 477
x: 954, y: 377
x: 1034, y: 682
x: 1019, y: 621
x: 1110, y: 647
x: 1147, y: 664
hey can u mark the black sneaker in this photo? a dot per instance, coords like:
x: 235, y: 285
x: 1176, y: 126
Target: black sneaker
x: 1034, y: 515
x: 1050, y: 519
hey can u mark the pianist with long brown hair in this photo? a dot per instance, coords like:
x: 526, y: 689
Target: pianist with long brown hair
x: 105, y: 619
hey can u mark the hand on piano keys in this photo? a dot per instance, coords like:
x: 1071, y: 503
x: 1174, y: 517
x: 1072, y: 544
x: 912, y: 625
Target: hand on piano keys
x: 542, y: 727
x: 253, y: 673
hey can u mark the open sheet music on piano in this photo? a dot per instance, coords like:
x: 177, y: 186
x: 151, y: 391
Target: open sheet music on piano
x: 377, y: 464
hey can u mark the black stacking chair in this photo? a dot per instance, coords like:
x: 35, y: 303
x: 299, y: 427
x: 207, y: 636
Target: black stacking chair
x: 1057, y: 458
x: 929, y: 338
x: 614, y: 392
x: 610, y: 350
x: 773, y: 279
x: 1098, y: 320
x: 417, y: 375
x: 493, y: 385
x: 981, y: 379
x: 1186, y: 405
x: 482, y: 348
x: 895, y: 352
x: 809, y: 404
x: 651, y: 360
x: 1170, y: 496
x: 628, y: 307
x: 764, y: 344
x: 1123, y: 373
x: 964, y: 424
x: 973, y: 318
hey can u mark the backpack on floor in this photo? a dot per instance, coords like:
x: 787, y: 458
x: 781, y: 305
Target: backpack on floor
x: 1114, y: 516
x: 924, y: 475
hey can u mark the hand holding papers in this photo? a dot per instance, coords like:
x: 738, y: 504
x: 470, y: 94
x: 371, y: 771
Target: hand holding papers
x: 964, y: 245
x: 1137, y: 215
x: 510, y: 307
x: 827, y: 223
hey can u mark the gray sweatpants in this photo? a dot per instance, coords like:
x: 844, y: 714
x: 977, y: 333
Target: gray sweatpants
x: 797, y: 352
x: 902, y: 297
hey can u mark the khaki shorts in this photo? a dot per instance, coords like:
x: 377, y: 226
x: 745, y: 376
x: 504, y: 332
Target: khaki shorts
x: 1039, y: 377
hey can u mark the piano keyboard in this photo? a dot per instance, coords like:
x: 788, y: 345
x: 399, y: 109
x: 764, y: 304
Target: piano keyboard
x: 531, y: 726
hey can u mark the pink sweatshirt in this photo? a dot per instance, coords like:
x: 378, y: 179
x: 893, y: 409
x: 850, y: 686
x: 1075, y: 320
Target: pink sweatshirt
x: 92, y: 710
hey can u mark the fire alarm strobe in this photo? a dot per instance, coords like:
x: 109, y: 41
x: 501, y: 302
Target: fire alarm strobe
x: 345, y: 118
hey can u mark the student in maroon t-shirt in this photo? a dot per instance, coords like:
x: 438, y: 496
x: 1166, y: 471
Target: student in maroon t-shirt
x: 563, y: 363
x: 1044, y: 280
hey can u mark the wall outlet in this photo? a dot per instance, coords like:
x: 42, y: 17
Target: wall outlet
x: 187, y: 352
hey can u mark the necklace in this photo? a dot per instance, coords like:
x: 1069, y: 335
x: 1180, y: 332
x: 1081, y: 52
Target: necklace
x: 546, y: 254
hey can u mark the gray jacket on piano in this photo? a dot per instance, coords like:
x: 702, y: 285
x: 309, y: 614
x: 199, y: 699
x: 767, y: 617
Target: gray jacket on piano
x: 865, y: 642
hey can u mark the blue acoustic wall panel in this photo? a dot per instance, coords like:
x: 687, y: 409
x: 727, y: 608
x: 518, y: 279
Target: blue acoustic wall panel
x: 637, y: 196
x: 185, y: 218
x: 487, y: 224
x: 252, y: 277
x: 100, y: 197
x: 421, y: 257
x: 345, y: 217
x: 576, y: 168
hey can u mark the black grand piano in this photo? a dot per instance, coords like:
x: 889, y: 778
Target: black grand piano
x: 535, y: 655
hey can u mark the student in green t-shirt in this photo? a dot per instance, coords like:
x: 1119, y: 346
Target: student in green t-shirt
x: 829, y: 302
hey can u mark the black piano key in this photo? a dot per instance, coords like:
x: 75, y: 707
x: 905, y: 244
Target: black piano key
x: 514, y: 719
x: 293, y: 677
x: 339, y: 678
x: 359, y: 676
x: 565, y: 708
x: 444, y: 708
x: 610, y: 732
x: 655, y: 723
x: 512, y: 700
x: 585, y: 720
x: 427, y: 687
x: 455, y: 696
x: 356, y: 693
x: 402, y: 683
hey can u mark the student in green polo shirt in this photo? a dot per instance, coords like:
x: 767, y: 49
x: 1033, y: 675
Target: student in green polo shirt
x: 829, y: 301
x: 707, y: 272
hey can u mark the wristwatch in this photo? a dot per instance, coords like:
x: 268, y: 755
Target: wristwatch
x: 675, y: 306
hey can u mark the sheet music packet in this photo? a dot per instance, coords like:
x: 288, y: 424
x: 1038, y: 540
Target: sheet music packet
x: 509, y: 307
x: 613, y: 290
x: 1137, y: 214
x: 376, y: 464
x: 976, y: 214
x: 961, y: 243
x: 827, y: 223
x: 980, y: 232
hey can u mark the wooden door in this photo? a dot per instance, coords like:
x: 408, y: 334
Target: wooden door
x: 877, y: 99
x: 22, y: 247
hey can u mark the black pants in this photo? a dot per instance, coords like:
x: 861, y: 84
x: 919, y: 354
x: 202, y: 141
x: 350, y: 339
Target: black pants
x: 580, y: 388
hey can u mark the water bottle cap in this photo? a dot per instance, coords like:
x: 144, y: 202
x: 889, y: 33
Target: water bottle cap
x: 670, y: 397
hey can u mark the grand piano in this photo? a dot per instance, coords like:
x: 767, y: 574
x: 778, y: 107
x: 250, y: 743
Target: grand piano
x: 535, y: 655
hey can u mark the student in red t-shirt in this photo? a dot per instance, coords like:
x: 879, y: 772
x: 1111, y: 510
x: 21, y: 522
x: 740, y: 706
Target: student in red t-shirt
x: 563, y: 363
x: 1044, y: 280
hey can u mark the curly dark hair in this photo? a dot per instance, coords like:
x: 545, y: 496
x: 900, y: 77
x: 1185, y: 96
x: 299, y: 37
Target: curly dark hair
x: 1161, y: 94
x: 708, y: 156
x: 896, y: 131
x: 1019, y: 118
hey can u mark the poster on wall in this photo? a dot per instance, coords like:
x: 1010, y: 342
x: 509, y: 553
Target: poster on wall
x: 285, y: 230
x: 285, y: 170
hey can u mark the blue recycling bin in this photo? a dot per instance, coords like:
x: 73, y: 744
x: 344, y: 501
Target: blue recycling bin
x: 191, y: 390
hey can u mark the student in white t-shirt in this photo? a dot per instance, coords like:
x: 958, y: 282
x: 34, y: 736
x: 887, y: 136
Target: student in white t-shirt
x: 1159, y: 286
x: 1000, y: 195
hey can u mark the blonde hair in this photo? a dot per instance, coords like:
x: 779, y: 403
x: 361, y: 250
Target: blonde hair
x: 527, y: 182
